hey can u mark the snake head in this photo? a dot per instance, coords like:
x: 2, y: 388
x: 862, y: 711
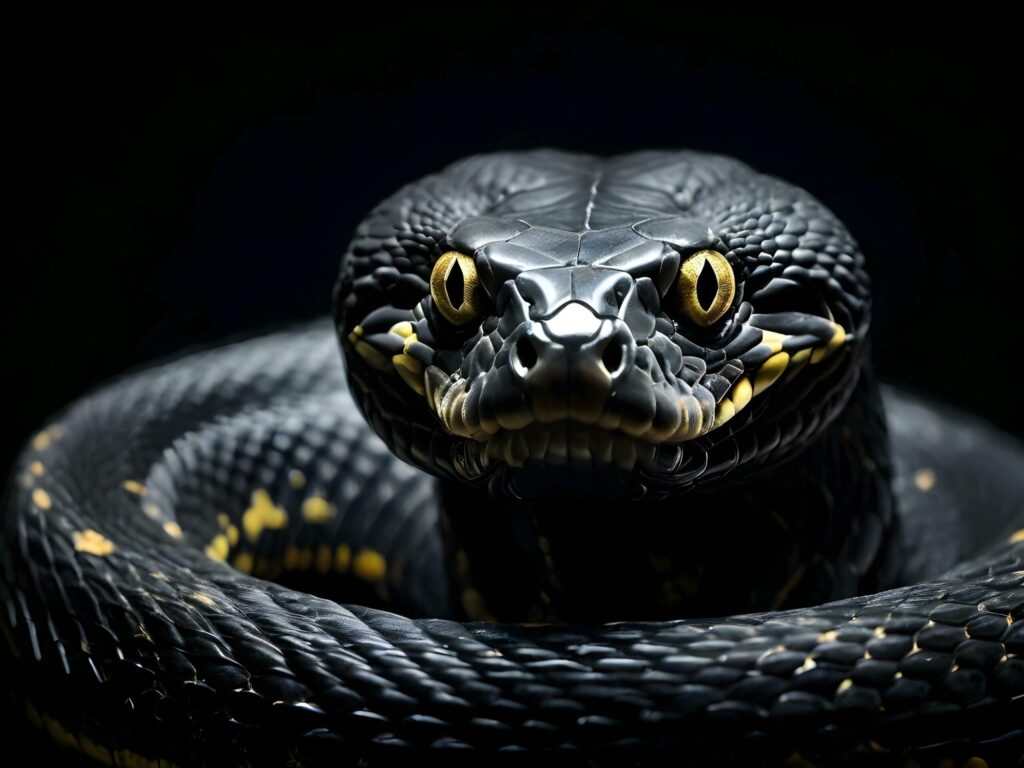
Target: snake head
x: 620, y: 327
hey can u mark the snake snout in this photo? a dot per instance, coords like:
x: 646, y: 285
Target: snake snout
x: 566, y: 365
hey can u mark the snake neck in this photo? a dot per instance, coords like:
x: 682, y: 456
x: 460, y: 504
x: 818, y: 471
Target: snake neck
x: 818, y: 526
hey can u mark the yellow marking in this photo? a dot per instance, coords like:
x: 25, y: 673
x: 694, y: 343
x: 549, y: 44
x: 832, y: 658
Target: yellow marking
x: 800, y: 357
x: 369, y: 565
x: 924, y: 479
x: 725, y: 411
x: 262, y: 514
x: 232, y: 533
x: 45, y: 439
x: 879, y: 632
x: 403, y: 329
x: 847, y: 683
x: 158, y: 575
x: 317, y: 509
x: 41, y: 499
x: 143, y: 634
x: 770, y: 371
x: 372, y: 355
x: 741, y: 393
x: 838, y: 337
x: 172, y: 529
x: 223, y: 520
x: 218, y: 548
x: 243, y: 562
x: 134, y: 486
x: 342, y: 558
x: 324, y: 555
x: 37, y: 468
x: 807, y: 666
x: 202, y: 597
x: 411, y: 371
x: 291, y: 558
x: 92, y: 543
x: 297, y: 479
x: 828, y: 637
x: 1017, y: 536
x: 773, y: 340
x: 357, y: 332
x: 152, y: 510
x: 59, y: 733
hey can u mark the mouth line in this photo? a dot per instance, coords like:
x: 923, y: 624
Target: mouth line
x: 560, y: 436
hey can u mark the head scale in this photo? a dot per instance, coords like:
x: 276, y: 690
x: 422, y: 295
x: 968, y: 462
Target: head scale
x: 544, y: 323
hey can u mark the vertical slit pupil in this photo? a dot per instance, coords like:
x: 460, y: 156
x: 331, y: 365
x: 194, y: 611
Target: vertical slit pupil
x: 707, y: 286
x: 455, y: 286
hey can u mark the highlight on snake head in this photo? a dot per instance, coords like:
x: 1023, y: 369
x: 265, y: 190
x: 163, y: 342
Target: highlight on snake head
x: 607, y: 329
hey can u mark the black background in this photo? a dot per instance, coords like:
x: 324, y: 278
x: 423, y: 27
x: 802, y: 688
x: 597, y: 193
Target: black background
x: 174, y: 180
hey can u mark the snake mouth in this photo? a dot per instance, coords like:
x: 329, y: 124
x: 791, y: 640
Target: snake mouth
x: 655, y: 419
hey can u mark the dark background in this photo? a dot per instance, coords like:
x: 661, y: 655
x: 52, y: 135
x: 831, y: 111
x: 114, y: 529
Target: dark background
x: 174, y: 181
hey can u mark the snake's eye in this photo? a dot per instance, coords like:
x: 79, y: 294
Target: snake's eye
x: 706, y: 287
x: 455, y: 288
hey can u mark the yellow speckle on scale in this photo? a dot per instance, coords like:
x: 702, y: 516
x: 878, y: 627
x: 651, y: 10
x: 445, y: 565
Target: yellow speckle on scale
x: 202, y: 597
x: 41, y: 499
x: 134, y: 486
x: 159, y: 575
x: 44, y: 439
x: 342, y: 558
x: 773, y: 340
x: 324, y: 555
x: 369, y: 565
x: 847, y: 683
x: 218, y: 548
x: 223, y: 520
x: 741, y: 393
x: 924, y: 479
x: 770, y: 371
x: 37, y: 468
x: 152, y: 510
x: 172, y: 529
x: 232, y: 533
x: 262, y: 514
x: 317, y: 509
x: 403, y: 329
x: 297, y: 479
x: 243, y: 562
x: 1017, y: 536
x: 92, y: 542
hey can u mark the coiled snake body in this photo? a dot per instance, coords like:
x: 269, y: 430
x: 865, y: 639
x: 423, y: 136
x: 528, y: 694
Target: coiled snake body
x: 639, y: 390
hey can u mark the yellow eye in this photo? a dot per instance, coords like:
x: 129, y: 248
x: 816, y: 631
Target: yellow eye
x: 706, y: 287
x: 455, y: 288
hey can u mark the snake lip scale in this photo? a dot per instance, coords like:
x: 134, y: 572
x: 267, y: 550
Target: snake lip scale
x: 581, y: 404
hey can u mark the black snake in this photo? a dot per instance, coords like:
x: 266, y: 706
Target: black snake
x: 640, y: 390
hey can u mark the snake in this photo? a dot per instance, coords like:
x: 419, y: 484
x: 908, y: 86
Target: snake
x: 602, y: 473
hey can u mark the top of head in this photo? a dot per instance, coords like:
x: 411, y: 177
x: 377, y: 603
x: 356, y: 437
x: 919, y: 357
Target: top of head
x: 545, y: 322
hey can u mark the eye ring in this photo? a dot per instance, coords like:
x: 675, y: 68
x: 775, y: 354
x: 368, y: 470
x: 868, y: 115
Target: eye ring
x: 706, y: 287
x: 455, y: 288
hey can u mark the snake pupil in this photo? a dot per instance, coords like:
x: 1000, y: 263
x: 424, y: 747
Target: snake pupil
x: 455, y: 285
x: 707, y: 286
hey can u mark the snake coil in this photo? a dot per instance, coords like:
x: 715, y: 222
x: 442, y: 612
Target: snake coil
x: 639, y: 388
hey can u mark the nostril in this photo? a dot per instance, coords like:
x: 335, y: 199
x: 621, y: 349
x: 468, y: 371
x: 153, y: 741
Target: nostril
x: 524, y: 355
x: 613, y: 357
